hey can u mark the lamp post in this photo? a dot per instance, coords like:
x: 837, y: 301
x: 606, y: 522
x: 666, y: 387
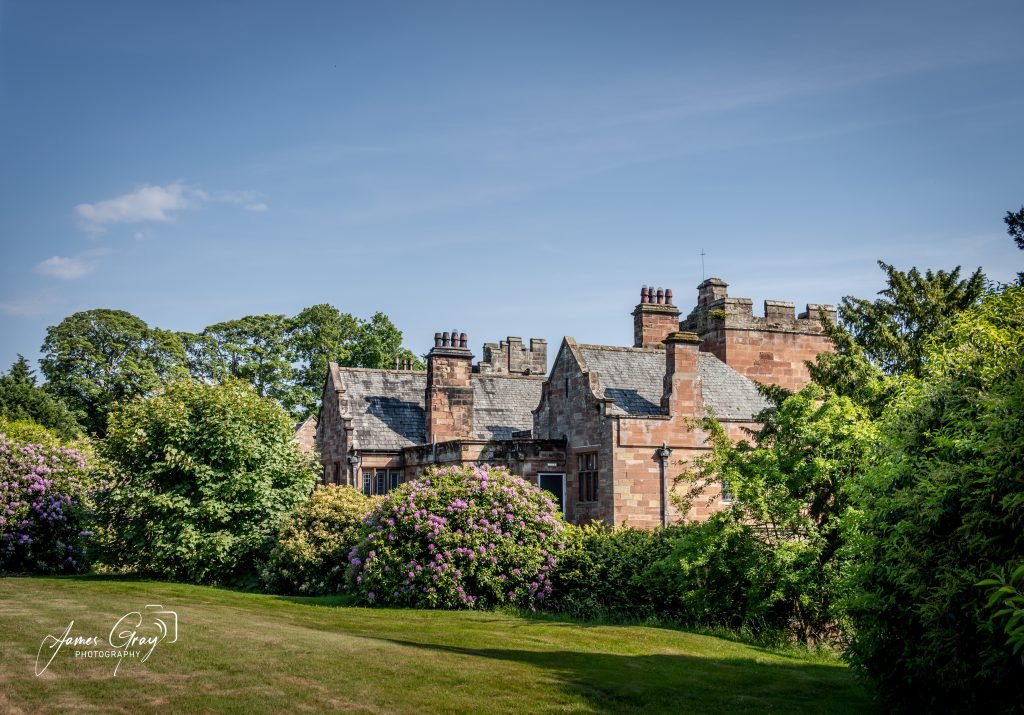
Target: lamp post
x: 664, y: 452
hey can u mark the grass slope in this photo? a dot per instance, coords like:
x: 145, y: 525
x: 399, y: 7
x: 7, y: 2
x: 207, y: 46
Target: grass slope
x: 250, y: 653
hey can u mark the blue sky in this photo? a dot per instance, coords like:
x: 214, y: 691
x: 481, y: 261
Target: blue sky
x: 517, y: 168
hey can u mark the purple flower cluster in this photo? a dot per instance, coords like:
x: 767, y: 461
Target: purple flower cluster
x: 460, y: 537
x: 40, y: 519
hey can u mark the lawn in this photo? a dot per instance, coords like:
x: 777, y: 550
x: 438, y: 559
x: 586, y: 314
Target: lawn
x: 249, y: 653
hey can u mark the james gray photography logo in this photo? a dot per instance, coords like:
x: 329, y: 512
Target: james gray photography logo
x: 134, y: 636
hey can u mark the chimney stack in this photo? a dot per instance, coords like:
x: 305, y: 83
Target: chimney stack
x: 449, y: 396
x: 654, y: 317
x: 711, y: 290
x: 682, y: 394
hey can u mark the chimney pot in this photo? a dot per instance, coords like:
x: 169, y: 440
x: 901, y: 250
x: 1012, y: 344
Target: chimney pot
x: 644, y: 295
x: 668, y: 296
x: 445, y: 339
x: 437, y: 340
x: 463, y: 340
x: 661, y: 296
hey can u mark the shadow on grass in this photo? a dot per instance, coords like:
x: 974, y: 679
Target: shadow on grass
x: 675, y: 683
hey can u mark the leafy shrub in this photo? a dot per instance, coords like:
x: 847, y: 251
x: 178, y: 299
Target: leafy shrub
x: 792, y: 492
x: 203, y: 477
x: 311, y: 554
x: 459, y: 537
x: 43, y: 503
x: 1006, y: 601
x: 606, y: 572
x: 720, y: 575
x: 942, y: 510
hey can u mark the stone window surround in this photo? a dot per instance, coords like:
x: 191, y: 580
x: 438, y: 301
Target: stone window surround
x: 586, y: 476
x: 371, y: 476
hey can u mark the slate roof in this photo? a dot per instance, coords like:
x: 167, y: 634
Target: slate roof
x: 503, y: 405
x: 387, y: 406
x: 730, y: 394
x: 633, y: 379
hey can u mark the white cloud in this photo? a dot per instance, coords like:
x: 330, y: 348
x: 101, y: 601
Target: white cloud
x: 65, y: 268
x: 147, y: 203
x: 152, y: 202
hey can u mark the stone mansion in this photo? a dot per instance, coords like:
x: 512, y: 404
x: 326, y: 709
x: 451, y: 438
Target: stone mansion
x: 606, y: 431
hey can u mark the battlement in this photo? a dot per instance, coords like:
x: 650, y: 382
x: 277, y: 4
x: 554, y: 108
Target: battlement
x: 771, y: 348
x: 716, y: 309
x: 511, y: 357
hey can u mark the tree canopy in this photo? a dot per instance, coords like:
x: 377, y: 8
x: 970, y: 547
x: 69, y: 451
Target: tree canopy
x: 22, y: 399
x: 892, y: 330
x: 940, y: 510
x: 1015, y: 227
x: 95, y: 359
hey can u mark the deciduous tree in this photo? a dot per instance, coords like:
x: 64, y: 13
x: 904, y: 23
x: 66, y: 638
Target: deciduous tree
x: 317, y: 336
x: 96, y: 358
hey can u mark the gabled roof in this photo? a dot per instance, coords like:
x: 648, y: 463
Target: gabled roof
x: 633, y: 379
x: 387, y: 406
x: 503, y: 405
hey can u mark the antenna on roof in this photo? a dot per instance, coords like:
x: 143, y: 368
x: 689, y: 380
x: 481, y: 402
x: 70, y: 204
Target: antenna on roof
x: 702, y: 276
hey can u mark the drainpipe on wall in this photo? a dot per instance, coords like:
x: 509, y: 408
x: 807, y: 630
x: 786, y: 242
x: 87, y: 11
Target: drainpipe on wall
x: 664, y: 452
x: 353, y: 463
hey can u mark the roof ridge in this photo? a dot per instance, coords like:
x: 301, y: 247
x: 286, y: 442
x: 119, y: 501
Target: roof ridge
x: 487, y: 376
x: 382, y: 370
x: 619, y: 348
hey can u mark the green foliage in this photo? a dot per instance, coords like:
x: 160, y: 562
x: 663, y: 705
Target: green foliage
x: 459, y: 537
x: 893, y: 329
x: 606, y: 573
x: 719, y: 574
x: 317, y: 336
x: 311, y: 554
x: 22, y: 399
x: 848, y: 372
x: 29, y: 432
x: 941, y: 510
x: 254, y: 349
x: 203, y: 477
x: 379, y: 344
x: 1015, y: 227
x: 791, y: 491
x: 1006, y: 603
x: 98, y: 358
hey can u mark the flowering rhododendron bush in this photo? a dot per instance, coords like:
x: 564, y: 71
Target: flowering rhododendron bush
x: 42, y: 508
x: 459, y: 537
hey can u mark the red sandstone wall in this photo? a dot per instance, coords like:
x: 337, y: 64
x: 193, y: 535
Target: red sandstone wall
x: 573, y: 413
x: 767, y: 357
x: 638, y: 475
x: 332, y: 438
